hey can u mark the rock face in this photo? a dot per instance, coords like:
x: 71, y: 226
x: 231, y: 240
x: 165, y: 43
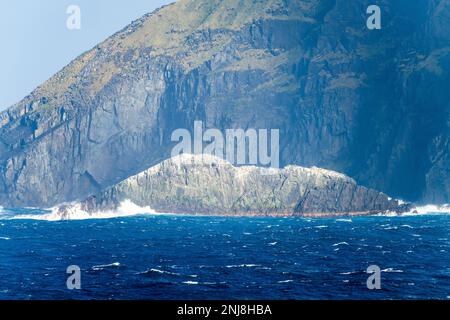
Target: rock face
x: 371, y: 104
x: 208, y: 185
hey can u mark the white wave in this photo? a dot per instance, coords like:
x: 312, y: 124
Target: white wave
x: 243, y: 266
x: 159, y: 271
x: 392, y: 270
x: 74, y: 211
x: 153, y: 270
x: 420, y: 210
x: 430, y: 208
x: 5, y: 238
x: 344, y: 220
x: 340, y: 243
x: 103, y: 266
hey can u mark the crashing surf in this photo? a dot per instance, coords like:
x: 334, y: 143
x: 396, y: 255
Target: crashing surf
x: 127, y: 208
x: 75, y: 211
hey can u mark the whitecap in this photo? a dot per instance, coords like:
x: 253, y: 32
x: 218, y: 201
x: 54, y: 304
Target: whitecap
x: 391, y: 270
x: 5, y: 238
x: 243, y: 266
x: 340, y: 243
x: 285, y: 281
x: 344, y: 220
x: 103, y: 266
x: 190, y: 282
x: 153, y: 270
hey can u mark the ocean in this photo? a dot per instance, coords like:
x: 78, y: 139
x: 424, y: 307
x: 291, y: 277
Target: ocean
x: 190, y: 257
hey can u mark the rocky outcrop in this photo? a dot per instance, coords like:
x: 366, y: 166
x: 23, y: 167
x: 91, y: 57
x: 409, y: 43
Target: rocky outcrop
x: 205, y: 184
x: 371, y: 104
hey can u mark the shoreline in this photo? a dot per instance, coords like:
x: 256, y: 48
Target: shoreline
x: 65, y: 216
x: 281, y: 215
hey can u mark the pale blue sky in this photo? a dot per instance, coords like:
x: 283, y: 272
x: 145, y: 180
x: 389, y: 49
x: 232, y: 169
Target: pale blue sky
x: 35, y: 42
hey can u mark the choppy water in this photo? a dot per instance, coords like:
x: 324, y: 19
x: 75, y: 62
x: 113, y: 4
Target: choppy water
x: 183, y: 257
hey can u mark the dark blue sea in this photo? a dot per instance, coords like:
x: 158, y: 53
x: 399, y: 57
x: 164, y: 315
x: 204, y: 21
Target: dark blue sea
x: 186, y: 257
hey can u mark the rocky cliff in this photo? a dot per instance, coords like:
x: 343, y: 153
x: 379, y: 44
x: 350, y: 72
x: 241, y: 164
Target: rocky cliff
x: 209, y: 185
x: 371, y: 104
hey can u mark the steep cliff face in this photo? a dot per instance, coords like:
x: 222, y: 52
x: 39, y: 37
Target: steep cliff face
x: 209, y: 185
x: 371, y: 104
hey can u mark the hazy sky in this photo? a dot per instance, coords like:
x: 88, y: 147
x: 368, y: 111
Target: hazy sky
x: 36, y: 43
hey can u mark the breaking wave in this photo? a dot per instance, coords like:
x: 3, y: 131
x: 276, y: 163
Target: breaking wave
x: 104, y: 266
x: 430, y: 208
x: 75, y: 212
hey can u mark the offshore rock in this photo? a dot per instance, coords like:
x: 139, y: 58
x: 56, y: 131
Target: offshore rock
x: 197, y: 184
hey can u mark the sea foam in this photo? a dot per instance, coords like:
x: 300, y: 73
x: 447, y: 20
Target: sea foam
x: 74, y: 211
x: 431, y: 208
x: 428, y: 209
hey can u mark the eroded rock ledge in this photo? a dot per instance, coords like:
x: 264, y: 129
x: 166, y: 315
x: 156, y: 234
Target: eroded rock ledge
x: 196, y: 184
